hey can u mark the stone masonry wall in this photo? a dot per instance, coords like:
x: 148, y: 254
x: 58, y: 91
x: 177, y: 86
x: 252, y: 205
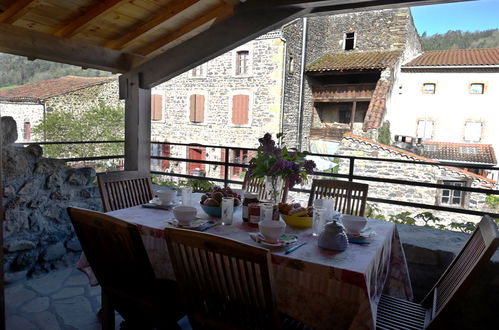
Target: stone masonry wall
x: 411, y: 172
x: 38, y: 235
x: 263, y: 84
x: 86, y: 98
x: 21, y: 112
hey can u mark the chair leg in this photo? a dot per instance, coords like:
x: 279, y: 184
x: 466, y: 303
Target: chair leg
x: 107, y: 312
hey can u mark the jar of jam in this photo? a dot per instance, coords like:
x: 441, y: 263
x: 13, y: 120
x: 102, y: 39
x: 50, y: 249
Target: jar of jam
x: 254, y: 214
x: 249, y: 198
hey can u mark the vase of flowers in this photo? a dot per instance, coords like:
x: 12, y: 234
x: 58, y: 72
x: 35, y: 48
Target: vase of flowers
x: 279, y: 166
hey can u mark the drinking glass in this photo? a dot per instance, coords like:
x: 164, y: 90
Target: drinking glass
x: 327, y: 205
x: 318, y: 220
x: 187, y: 196
x: 227, y: 210
x: 266, y: 211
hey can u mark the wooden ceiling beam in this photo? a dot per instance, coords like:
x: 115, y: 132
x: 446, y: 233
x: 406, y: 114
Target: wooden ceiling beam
x: 236, y: 30
x: 219, y: 13
x: 82, y: 21
x: 16, y: 10
x: 38, y: 45
x: 150, y: 23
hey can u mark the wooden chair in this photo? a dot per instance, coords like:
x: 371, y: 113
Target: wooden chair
x: 349, y: 197
x: 123, y: 189
x: 257, y: 185
x: 225, y: 284
x: 115, y: 251
x: 394, y: 313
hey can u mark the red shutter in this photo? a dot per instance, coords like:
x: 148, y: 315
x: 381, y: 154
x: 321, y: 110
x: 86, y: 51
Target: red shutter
x: 240, y: 109
x: 165, y: 152
x: 192, y: 108
x: 156, y: 107
x: 199, y: 108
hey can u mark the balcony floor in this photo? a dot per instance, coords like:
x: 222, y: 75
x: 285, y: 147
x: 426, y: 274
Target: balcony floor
x: 62, y: 299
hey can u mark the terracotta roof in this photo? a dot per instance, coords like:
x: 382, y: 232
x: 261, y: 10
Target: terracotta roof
x: 377, y: 106
x: 354, y: 61
x: 53, y: 87
x: 461, y: 152
x: 457, y: 57
x: 414, y: 156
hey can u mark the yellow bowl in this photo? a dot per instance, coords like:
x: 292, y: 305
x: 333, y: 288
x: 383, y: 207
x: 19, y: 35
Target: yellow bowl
x: 298, y: 222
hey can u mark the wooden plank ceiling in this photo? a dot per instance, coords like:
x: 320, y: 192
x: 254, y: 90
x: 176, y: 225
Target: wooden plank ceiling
x: 137, y: 36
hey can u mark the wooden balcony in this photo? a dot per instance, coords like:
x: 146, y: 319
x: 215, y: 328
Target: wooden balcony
x: 329, y: 133
x: 341, y: 93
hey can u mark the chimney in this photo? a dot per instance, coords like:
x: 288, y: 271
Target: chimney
x: 409, y: 143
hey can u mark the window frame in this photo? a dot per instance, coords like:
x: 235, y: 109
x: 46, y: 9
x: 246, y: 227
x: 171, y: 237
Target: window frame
x: 481, y: 131
x: 432, y: 128
x: 346, y: 38
x: 27, y: 130
x: 477, y: 83
x: 245, y: 48
x: 231, y: 111
x: 204, y: 72
x: 463, y: 196
x: 429, y: 92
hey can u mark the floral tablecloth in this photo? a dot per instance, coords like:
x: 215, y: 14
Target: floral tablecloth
x: 322, y: 289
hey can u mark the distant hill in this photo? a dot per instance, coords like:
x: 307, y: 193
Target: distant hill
x: 17, y: 70
x: 461, y: 40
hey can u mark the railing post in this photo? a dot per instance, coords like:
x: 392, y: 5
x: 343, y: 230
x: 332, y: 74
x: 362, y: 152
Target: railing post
x: 350, y: 171
x: 226, y: 168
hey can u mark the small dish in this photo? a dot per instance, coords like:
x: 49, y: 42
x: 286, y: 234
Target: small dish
x: 197, y: 223
x: 284, y: 240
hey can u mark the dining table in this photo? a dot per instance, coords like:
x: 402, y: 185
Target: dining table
x: 323, y: 289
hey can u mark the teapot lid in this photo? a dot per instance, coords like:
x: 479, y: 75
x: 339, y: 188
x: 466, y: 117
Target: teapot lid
x: 334, y: 225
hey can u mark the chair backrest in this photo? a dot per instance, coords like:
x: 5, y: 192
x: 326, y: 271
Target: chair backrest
x: 458, y: 276
x: 123, y: 189
x: 349, y: 197
x: 257, y: 185
x: 114, y: 250
x: 225, y: 284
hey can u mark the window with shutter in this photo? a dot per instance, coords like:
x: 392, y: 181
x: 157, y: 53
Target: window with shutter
x: 425, y: 129
x: 240, y: 109
x: 473, y: 131
x: 27, y: 130
x: 242, y: 62
x: 196, y: 108
x: 156, y: 107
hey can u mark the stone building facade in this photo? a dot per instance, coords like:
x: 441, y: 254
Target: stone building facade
x: 29, y: 104
x: 352, y: 145
x: 339, y: 72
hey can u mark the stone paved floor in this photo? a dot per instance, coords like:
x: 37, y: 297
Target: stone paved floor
x: 60, y: 300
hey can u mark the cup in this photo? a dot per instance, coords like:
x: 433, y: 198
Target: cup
x: 266, y: 211
x: 166, y: 196
x: 227, y: 210
x: 318, y: 220
x: 187, y: 196
x: 272, y: 230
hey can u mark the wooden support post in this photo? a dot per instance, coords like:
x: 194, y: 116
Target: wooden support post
x: 137, y: 124
x: 352, y: 116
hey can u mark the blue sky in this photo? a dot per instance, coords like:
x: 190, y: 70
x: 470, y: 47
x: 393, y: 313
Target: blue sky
x: 466, y: 16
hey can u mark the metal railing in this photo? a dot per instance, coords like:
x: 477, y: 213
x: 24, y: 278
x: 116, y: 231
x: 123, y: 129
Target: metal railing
x: 226, y: 164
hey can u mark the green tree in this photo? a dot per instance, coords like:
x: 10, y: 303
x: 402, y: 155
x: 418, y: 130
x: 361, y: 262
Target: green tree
x: 100, y: 123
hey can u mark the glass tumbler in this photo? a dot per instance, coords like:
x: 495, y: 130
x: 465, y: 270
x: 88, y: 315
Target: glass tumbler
x: 187, y: 196
x: 318, y: 220
x: 227, y: 210
x: 266, y: 211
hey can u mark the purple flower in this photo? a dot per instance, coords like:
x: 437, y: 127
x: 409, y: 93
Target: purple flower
x: 309, y: 166
x: 277, y: 151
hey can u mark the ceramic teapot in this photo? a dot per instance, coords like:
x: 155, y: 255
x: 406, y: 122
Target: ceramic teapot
x: 333, y: 237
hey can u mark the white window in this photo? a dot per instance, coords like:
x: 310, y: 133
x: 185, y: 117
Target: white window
x: 476, y: 88
x: 473, y: 131
x: 429, y: 88
x: 349, y: 41
x: 425, y: 129
x: 242, y: 63
x: 453, y: 197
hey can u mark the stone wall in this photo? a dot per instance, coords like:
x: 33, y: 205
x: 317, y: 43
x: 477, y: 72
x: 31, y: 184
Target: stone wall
x: 86, y: 98
x: 21, y: 112
x: 263, y: 85
x: 38, y: 235
x: 351, y: 146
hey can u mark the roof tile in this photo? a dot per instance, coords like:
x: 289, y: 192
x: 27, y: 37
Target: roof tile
x: 53, y: 87
x: 354, y: 61
x: 457, y: 57
x: 461, y: 152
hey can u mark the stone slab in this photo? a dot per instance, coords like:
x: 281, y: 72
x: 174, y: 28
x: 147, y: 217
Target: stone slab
x: 46, y: 321
x: 68, y: 292
x: 51, y: 282
x: 76, y: 312
x: 36, y: 305
x: 18, y: 295
x: 80, y: 279
x: 16, y: 322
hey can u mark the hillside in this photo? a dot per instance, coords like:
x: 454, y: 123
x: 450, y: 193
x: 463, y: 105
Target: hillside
x: 17, y: 70
x: 461, y: 40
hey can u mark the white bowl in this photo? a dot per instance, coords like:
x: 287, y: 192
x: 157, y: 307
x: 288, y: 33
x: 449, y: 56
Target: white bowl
x: 272, y: 229
x: 167, y: 196
x: 353, y: 224
x: 185, y: 214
